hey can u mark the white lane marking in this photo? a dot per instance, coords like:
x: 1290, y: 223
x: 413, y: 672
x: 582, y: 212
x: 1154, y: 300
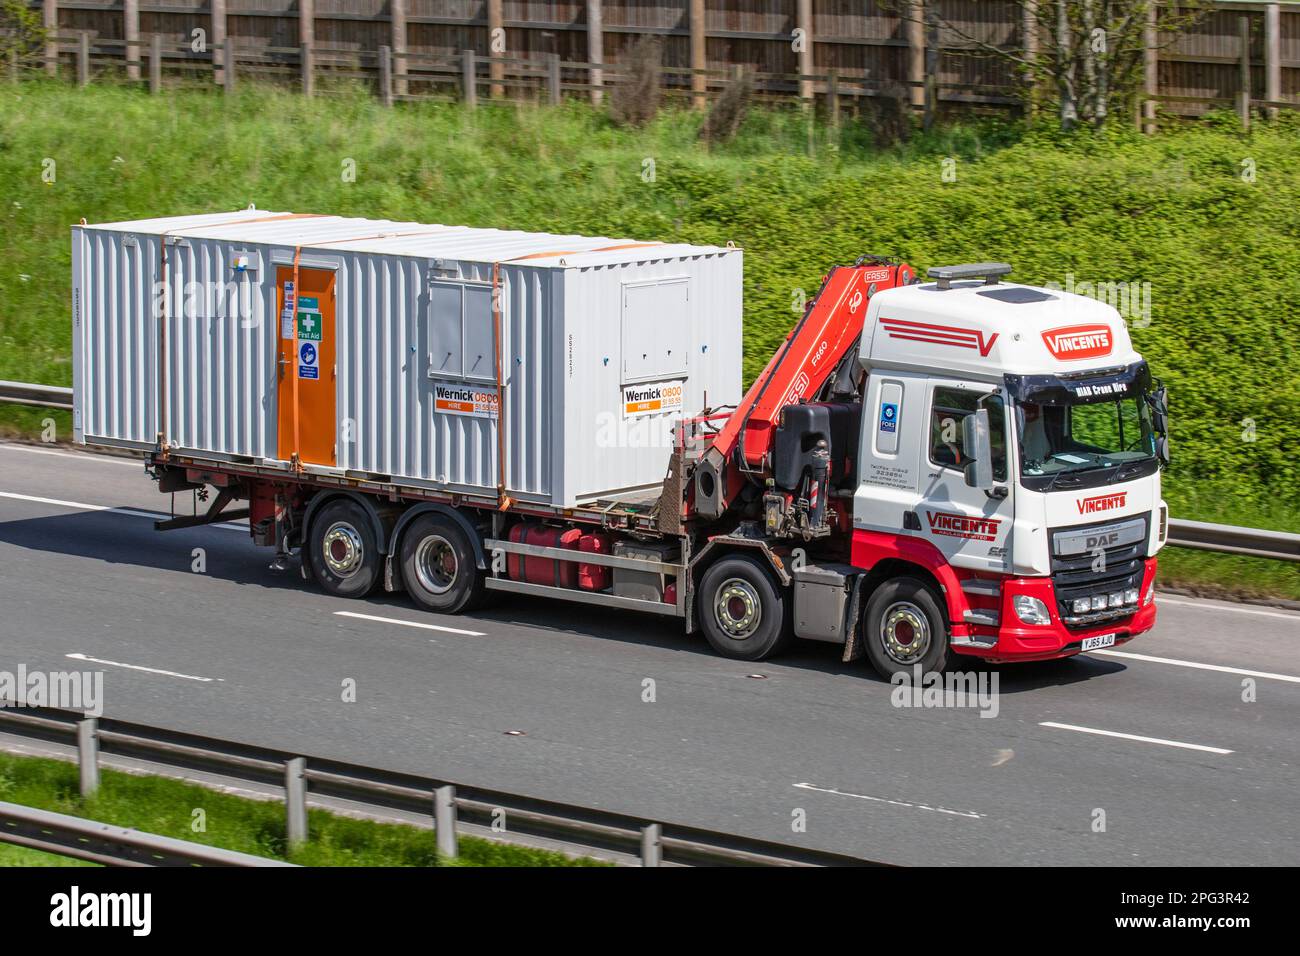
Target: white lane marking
x: 1199, y: 666
x: 1234, y: 608
x: 102, y: 459
x: 397, y: 620
x: 84, y: 506
x: 147, y: 670
x: 1145, y: 740
x: 969, y: 814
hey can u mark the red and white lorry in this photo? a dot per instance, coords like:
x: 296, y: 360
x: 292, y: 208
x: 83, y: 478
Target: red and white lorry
x: 926, y: 468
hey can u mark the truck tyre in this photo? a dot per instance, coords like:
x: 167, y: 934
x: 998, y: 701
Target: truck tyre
x: 905, y: 625
x: 345, y: 556
x: 743, y: 612
x: 438, y: 566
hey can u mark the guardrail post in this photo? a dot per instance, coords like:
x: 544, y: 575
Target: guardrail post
x: 553, y: 78
x: 444, y: 821
x: 385, y: 75
x: 468, y: 80
x: 83, y: 59
x: 155, y: 64
x: 88, y: 756
x: 652, y: 851
x: 307, y: 60
x: 295, y: 800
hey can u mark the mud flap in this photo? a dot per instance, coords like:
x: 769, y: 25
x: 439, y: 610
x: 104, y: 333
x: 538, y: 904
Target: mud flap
x: 854, y: 646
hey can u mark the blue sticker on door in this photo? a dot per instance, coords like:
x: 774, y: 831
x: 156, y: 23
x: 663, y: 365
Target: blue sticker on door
x: 888, y: 417
x: 307, y: 356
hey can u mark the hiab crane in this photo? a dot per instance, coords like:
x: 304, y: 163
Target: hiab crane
x: 925, y: 469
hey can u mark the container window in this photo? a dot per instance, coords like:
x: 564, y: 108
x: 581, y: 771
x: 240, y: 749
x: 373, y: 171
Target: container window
x: 445, y: 330
x: 462, y: 337
x: 656, y: 317
x: 480, y: 334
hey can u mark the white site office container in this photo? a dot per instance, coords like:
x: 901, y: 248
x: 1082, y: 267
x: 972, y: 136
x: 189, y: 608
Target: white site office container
x: 593, y: 329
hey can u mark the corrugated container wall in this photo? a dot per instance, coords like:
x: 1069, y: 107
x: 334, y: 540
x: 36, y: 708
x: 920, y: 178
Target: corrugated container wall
x: 605, y: 343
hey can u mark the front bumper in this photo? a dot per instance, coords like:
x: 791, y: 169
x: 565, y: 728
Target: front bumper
x: 1015, y: 641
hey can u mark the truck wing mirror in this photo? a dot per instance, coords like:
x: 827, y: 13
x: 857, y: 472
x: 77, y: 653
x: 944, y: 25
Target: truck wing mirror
x: 1159, y: 402
x: 979, y: 450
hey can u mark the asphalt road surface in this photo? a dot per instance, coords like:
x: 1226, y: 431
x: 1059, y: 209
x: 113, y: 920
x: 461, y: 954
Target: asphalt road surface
x: 1156, y: 736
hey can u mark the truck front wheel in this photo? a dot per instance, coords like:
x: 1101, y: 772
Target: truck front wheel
x: 743, y: 613
x: 438, y: 566
x: 904, y: 626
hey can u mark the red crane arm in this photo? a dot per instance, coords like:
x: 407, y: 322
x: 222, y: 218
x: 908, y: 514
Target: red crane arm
x: 810, y: 354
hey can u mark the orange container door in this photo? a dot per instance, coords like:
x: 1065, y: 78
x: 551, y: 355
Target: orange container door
x: 307, y: 420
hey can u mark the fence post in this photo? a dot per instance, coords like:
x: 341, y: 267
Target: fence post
x: 1150, y: 70
x: 385, y: 75
x: 1029, y: 37
x: 155, y: 64
x: 833, y: 97
x: 931, y: 68
x: 131, y: 34
x: 468, y: 79
x: 1243, y: 87
x: 496, y: 69
x: 397, y: 36
x: 50, y: 23
x: 217, y: 40
x: 595, y: 50
x: 307, y: 60
x: 444, y: 821
x: 1272, y: 56
x: 915, y: 31
x: 13, y: 64
x: 553, y: 78
x: 652, y: 850
x: 88, y: 755
x: 229, y: 64
x: 699, y: 57
x: 807, y: 89
x: 295, y: 800
x: 83, y: 59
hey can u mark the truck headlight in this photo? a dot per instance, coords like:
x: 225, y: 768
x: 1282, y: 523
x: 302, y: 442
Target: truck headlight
x: 1081, y: 605
x: 1031, y: 610
x: 1150, y: 595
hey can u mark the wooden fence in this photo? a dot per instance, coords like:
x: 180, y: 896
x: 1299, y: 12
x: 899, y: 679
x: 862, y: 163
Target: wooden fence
x: 1246, y: 55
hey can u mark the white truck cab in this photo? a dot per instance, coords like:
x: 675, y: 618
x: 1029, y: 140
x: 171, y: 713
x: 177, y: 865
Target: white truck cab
x: 1011, y: 443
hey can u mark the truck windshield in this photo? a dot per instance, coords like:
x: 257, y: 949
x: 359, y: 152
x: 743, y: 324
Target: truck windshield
x: 1072, y: 426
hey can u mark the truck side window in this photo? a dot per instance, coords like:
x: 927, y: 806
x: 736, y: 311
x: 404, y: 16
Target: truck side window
x: 947, y: 410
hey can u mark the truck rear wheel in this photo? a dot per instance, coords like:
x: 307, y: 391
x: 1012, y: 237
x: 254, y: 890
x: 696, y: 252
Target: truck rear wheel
x: 345, y: 558
x: 743, y: 613
x: 438, y: 565
x: 905, y: 625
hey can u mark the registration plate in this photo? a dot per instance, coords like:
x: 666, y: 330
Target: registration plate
x: 1101, y: 640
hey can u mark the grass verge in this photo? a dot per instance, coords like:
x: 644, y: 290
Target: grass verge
x: 171, y: 808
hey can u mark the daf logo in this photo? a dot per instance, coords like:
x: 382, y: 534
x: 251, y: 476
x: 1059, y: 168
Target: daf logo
x: 1103, y: 540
